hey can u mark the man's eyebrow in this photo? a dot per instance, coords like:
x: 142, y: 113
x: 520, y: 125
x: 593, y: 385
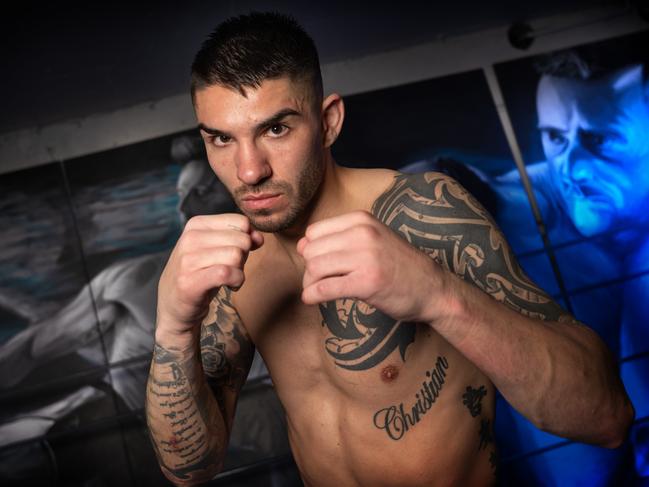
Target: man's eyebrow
x: 276, y: 118
x: 209, y: 130
x: 549, y: 127
x: 273, y: 119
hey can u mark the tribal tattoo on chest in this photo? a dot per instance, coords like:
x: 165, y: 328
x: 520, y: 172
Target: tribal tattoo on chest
x: 436, y: 215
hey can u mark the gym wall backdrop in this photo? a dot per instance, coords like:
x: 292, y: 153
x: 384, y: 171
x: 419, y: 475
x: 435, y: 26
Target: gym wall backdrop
x: 84, y: 241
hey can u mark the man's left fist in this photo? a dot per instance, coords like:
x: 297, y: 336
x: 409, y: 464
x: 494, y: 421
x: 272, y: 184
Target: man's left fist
x: 356, y: 256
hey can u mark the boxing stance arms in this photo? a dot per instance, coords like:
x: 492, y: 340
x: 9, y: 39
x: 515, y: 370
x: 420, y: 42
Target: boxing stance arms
x: 430, y: 253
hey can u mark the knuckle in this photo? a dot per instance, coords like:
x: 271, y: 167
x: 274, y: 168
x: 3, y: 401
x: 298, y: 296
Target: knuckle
x: 184, y: 284
x: 246, y: 242
x: 236, y: 256
x: 313, y: 265
x: 184, y: 262
x: 374, y: 255
x: 368, y: 232
x: 222, y: 272
x: 309, y: 232
x: 375, y: 276
x: 188, y: 238
x: 241, y: 222
x: 365, y: 215
x: 194, y: 222
x: 322, y: 287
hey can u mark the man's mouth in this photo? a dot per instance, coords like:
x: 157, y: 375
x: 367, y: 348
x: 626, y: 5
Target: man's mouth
x: 258, y: 201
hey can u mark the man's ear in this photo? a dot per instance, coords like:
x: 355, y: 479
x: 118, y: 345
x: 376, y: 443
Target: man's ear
x: 333, y: 114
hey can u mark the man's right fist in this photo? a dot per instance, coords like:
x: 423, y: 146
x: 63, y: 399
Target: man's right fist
x: 210, y: 253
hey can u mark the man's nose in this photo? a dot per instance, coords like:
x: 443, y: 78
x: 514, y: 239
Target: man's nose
x: 579, y: 164
x: 252, y: 164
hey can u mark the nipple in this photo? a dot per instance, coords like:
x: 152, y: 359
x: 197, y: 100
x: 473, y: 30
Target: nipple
x: 389, y: 373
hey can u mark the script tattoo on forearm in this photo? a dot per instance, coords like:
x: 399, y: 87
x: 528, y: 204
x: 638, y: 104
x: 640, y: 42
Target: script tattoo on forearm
x: 181, y: 429
x: 188, y: 425
x: 396, y: 421
x: 435, y: 214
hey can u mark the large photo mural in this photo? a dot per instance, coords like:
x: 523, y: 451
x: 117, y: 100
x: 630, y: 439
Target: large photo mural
x: 581, y: 117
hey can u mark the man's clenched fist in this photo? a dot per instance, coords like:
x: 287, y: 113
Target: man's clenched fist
x: 356, y: 256
x: 210, y: 253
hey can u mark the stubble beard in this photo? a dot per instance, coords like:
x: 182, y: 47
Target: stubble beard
x: 300, y: 198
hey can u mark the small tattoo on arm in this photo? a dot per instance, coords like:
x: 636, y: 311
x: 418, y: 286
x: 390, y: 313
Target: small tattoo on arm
x: 396, y: 421
x: 472, y: 399
x: 493, y: 460
x: 486, y: 435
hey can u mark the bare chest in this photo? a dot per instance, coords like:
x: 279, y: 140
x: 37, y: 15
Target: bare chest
x: 345, y: 346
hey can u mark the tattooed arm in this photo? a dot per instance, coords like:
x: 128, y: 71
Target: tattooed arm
x: 460, y: 275
x: 199, y: 342
x: 190, y: 424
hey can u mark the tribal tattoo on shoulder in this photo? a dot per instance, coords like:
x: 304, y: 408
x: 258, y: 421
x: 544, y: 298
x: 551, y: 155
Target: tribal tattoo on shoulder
x: 435, y: 214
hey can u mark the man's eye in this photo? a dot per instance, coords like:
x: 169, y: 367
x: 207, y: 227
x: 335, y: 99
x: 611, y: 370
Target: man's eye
x: 556, y: 137
x: 602, y: 143
x: 277, y: 130
x: 221, y: 140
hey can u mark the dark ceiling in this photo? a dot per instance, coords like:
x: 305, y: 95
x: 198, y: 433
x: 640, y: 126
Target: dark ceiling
x: 63, y: 61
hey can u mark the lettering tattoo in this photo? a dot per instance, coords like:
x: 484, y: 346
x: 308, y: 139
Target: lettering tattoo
x: 436, y: 215
x: 472, y: 399
x: 189, y: 425
x: 182, y: 439
x: 395, y: 421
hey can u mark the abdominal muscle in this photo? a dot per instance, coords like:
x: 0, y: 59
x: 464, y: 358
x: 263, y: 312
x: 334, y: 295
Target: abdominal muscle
x: 352, y: 428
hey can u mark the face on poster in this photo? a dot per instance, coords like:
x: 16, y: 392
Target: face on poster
x: 581, y: 117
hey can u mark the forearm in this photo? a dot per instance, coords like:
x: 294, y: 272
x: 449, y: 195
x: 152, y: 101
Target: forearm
x: 559, y: 375
x: 186, y: 424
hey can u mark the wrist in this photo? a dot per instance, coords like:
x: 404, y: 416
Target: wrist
x: 446, y: 303
x: 182, y: 341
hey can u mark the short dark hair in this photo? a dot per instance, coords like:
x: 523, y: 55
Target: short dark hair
x: 592, y: 61
x: 244, y: 51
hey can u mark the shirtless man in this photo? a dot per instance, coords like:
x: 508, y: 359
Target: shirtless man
x: 387, y: 307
